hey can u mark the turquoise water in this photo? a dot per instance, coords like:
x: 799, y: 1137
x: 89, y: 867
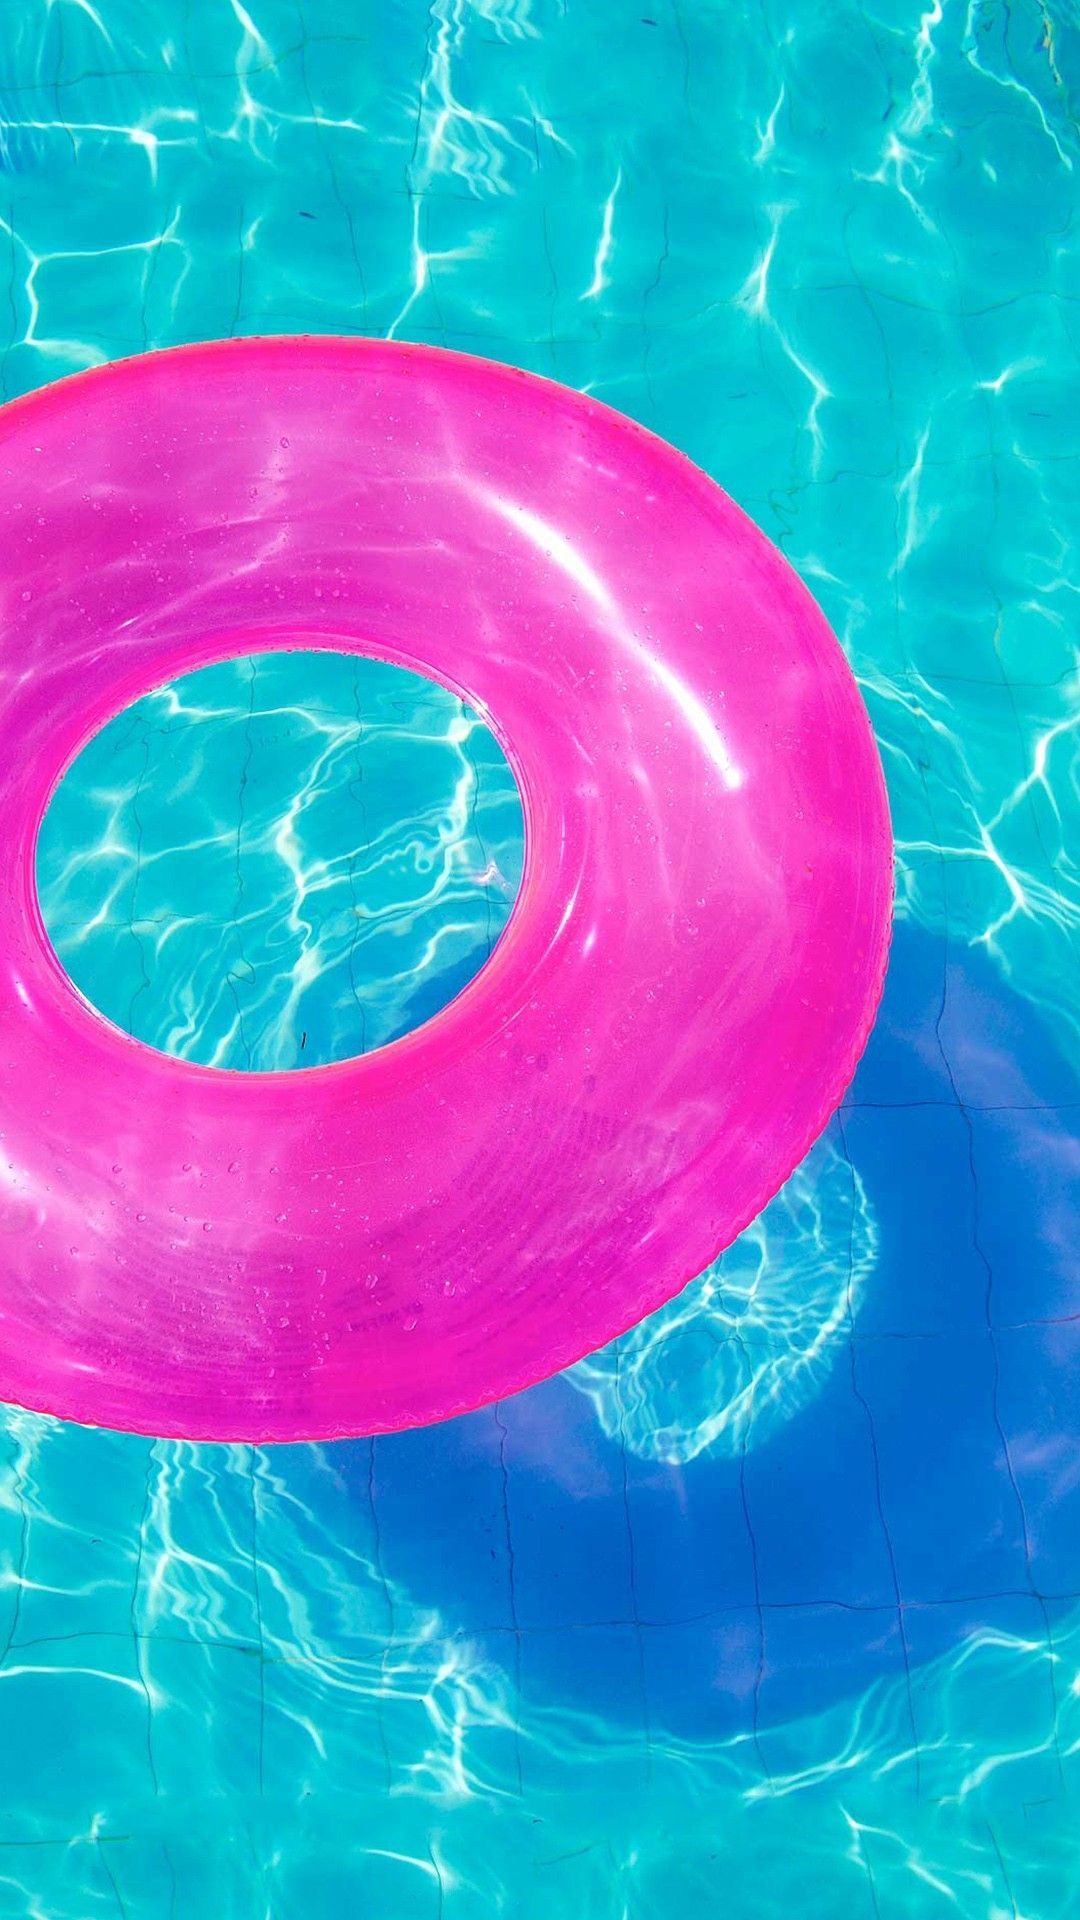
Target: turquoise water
x: 775, y: 1608
x: 283, y: 860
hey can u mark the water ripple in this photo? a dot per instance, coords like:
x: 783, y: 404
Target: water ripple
x: 752, y: 1339
x: 830, y: 252
x: 307, y: 855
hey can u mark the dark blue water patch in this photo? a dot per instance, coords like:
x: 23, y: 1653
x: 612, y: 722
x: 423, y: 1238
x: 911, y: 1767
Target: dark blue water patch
x: 437, y: 989
x: 951, y: 1029
x: 931, y: 1479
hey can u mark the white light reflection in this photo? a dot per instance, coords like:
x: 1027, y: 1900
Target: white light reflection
x: 555, y: 546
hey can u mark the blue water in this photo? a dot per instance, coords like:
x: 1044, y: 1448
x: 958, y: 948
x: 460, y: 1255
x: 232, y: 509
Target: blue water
x: 282, y: 860
x: 776, y: 1608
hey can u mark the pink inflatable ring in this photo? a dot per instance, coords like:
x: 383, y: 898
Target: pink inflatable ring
x: 680, y: 997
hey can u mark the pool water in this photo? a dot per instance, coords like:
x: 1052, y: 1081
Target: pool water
x: 282, y: 860
x: 774, y: 1607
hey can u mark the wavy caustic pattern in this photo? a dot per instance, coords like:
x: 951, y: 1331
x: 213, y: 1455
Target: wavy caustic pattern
x: 747, y: 1342
x: 780, y: 1613
x: 235, y: 1709
x: 860, y: 320
x: 308, y: 854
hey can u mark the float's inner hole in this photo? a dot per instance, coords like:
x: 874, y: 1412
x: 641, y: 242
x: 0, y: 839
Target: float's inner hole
x: 283, y: 860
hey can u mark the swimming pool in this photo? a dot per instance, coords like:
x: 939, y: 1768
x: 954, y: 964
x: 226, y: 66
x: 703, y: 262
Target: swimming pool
x: 775, y: 1607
